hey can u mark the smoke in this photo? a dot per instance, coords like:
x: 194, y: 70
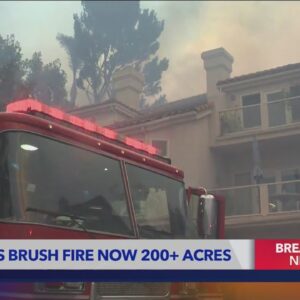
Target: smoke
x: 259, y: 35
x: 35, y: 25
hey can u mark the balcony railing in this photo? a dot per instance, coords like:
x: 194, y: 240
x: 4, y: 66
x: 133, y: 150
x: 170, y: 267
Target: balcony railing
x: 274, y: 113
x: 261, y: 199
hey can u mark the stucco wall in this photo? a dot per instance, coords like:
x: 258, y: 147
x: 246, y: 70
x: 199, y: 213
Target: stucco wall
x: 105, y: 118
x: 188, y: 147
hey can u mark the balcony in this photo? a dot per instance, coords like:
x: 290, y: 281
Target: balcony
x: 262, y: 211
x: 260, y: 116
x: 262, y: 199
x: 262, y: 204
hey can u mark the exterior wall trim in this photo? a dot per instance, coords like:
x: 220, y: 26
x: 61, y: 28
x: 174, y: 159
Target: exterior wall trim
x: 168, y: 121
x: 258, y: 80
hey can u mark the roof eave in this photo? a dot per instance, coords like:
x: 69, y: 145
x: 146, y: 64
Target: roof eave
x: 115, y: 105
x: 169, y: 119
x: 232, y: 85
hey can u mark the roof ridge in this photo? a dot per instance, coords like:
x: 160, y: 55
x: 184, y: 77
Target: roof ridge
x: 162, y: 111
x: 108, y: 101
x: 269, y: 71
x: 173, y: 102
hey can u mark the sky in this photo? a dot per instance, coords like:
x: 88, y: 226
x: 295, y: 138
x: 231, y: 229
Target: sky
x: 258, y: 34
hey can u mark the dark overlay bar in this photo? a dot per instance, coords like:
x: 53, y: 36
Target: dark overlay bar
x: 150, y: 275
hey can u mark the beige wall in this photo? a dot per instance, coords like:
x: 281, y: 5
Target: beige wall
x: 127, y: 85
x: 190, y: 141
x: 188, y: 149
x: 106, y: 118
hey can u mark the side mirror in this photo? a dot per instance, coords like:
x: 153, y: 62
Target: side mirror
x: 207, y: 217
x: 206, y: 214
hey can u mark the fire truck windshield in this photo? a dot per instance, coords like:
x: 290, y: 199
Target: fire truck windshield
x: 159, y: 203
x: 45, y: 181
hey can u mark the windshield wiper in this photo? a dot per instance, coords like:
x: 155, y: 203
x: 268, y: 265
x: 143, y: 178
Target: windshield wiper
x: 154, y: 231
x: 58, y: 214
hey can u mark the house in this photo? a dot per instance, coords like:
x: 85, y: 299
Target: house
x: 240, y: 139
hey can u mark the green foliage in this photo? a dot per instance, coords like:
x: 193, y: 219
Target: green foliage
x: 152, y: 73
x: 230, y: 122
x: 144, y: 104
x: 45, y: 82
x: 29, y: 78
x: 159, y: 101
x: 109, y: 35
x: 75, y: 48
x: 11, y: 69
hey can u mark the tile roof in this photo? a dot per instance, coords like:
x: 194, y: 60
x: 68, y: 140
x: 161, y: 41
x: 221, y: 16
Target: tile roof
x: 272, y: 71
x: 198, y: 102
x: 90, y: 107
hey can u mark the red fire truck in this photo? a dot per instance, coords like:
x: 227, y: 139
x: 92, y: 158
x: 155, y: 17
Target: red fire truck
x: 62, y: 177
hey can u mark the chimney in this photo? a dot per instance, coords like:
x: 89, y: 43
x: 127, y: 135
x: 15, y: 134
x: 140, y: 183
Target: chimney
x: 218, y: 66
x: 127, y: 86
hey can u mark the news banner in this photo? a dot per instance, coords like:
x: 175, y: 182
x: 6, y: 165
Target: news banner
x: 150, y: 260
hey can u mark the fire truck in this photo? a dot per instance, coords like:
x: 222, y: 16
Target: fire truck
x: 63, y: 177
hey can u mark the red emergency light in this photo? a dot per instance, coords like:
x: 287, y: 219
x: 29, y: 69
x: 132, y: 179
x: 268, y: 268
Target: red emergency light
x: 33, y: 105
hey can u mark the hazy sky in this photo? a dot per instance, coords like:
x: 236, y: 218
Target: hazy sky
x: 259, y: 35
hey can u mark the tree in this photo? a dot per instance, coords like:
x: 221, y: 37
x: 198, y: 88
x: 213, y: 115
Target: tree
x: 20, y: 78
x: 144, y: 104
x: 76, y: 51
x: 161, y: 100
x: 11, y: 69
x: 45, y: 82
x: 109, y: 35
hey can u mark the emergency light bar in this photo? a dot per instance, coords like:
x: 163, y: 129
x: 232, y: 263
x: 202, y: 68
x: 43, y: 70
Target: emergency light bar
x: 33, y: 105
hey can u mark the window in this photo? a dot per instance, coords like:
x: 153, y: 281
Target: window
x: 290, y: 191
x: 60, y: 184
x: 276, y: 108
x: 162, y: 145
x: 295, y: 103
x: 291, y: 175
x: 251, y: 111
x: 242, y: 200
x: 159, y: 203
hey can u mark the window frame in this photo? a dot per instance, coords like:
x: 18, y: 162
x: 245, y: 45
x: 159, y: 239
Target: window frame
x: 167, y: 145
x: 159, y: 172
x: 268, y: 103
x: 82, y: 146
x: 242, y: 109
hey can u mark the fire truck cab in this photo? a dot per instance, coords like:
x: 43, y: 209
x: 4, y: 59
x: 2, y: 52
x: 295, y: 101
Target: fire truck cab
x: 62, y: 177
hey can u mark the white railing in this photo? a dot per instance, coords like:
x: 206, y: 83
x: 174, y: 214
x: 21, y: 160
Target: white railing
x: 261, y: 199
x: 276, y: 113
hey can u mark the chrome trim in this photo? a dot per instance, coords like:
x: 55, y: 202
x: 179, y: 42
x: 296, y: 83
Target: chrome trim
x: 41, y: 296
x: 129, y: 297
x: 93, y: 295
x: 204, y: 189
x: 39, y: 287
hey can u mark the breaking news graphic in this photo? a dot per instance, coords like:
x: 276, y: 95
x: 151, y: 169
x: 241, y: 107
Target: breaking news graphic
x: 189, y: 269
x: 153, y: 255
x: 149, y: 150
